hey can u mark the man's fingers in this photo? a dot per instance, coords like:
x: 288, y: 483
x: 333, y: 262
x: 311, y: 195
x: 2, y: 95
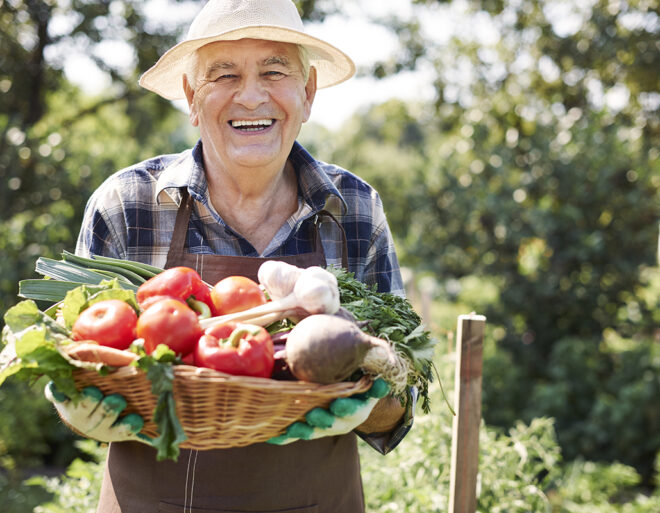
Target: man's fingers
x: 318, y: 417
x: 106, y: 413
x: 53, y: 394
x: 129, y: 425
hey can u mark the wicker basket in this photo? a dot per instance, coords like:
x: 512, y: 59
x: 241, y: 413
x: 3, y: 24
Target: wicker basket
x: 218, y: 410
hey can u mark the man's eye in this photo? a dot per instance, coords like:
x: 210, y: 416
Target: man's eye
x: 218, y: 78
x: 274, y: 74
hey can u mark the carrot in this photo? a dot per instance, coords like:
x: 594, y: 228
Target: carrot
x: 89, y: 351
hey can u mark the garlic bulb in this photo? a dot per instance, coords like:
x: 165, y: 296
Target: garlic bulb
x: 278, y: 278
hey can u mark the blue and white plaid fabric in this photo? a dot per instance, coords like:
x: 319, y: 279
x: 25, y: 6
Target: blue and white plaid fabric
x: 131, y: 216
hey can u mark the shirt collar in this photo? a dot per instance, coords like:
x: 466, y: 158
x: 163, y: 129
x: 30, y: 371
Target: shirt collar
x: 315, y: 186
x: 187, y: 170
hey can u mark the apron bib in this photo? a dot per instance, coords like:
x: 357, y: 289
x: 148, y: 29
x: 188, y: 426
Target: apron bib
x: 316, y: 476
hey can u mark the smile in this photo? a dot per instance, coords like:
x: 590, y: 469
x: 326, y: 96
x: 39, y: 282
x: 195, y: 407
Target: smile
x: 251, y: 126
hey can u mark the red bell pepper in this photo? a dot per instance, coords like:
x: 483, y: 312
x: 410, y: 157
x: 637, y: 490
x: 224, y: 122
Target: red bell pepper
x: 238, y: 349
x: 181, y: 283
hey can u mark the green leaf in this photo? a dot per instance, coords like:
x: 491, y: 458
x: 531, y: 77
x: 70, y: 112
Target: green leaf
x: 31, y: 347
x: 392, y: 318
x: 80, y: 298
x: 158, y: 367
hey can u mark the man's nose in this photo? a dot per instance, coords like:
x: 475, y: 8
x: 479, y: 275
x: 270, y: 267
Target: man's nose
x: 250, y: 93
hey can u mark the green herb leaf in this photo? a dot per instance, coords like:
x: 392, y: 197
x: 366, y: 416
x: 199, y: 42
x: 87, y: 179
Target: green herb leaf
x: 158, y: 367
x: 393, y: 318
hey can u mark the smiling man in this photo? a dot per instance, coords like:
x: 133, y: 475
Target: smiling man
x: 249, y: 99
x: 247, y: 192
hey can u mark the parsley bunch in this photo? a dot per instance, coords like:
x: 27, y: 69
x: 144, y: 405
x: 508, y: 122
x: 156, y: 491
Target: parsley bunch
x: 392, y: 318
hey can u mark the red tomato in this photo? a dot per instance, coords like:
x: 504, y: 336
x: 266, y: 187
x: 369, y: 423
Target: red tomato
x: 174, y: 282
x: 110, y: 322
x: 169, y: 322
x: 154, y: 299
x: 235, y: 294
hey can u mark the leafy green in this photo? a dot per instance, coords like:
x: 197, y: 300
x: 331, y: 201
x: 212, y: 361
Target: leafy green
x: 80, y: 298
x: 158, y: 367
x: 393, y: 318
x: 31, y: 339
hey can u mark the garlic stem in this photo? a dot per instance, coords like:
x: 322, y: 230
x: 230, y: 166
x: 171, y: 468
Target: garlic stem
x: 315, y: 291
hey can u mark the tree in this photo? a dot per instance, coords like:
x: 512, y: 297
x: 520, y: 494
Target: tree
x: 57, y: 143
x: 537, y: 170
x: 546, y: 164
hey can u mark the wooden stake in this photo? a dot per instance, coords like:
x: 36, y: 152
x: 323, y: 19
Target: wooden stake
x: 465, y: 436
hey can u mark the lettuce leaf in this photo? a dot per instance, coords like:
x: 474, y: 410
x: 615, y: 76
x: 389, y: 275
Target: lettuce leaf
x: 31, y: 339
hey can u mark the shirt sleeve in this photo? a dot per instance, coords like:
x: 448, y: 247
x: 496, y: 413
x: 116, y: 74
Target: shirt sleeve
x: 96, y: 236
x: 381, y: 267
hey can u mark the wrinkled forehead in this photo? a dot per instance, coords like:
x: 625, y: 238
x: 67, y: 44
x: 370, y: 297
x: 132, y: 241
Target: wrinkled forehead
x: 242, y: 51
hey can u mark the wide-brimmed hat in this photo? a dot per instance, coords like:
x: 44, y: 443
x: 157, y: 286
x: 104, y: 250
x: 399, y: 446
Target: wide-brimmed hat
x: 230, y: 20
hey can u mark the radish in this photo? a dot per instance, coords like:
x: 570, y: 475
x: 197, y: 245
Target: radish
x: 328, y: 349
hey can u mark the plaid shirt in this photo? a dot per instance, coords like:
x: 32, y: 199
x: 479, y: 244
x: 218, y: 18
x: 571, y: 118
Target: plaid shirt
x: 131, y: 216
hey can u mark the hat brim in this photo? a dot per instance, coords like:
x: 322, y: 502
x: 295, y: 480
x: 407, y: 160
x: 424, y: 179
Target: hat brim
x: 165, y: 77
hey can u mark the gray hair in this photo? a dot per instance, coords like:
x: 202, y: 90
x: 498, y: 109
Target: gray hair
x: 192, y: 67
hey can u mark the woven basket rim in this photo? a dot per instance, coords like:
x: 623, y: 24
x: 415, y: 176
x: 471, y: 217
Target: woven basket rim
x: 219, y: 410
x: 183, y: 371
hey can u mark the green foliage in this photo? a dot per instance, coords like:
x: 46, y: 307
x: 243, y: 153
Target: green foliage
x: 536, y: 171
x: 57, y: 144
x: 520, y: 470
x: 588, y: 487
x: 604, y: 400
x: 31, y: 438
x: 77, y: 491
x: 30, y: 432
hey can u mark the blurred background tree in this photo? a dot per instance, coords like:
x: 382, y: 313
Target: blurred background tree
x: 537, y: 169
x: 57, y: 143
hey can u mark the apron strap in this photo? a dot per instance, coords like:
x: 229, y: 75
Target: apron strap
x: 183, y: 219
x: 178, y: 242
x: 344, y: 242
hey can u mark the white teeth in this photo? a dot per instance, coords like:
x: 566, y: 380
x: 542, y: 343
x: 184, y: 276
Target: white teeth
x: 259, y: 123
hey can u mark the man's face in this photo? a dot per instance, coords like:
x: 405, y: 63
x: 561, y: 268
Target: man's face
x: 250, y: 102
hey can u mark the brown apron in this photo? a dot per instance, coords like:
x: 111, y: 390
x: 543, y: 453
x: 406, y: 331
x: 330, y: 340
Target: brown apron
x: 318, y: 476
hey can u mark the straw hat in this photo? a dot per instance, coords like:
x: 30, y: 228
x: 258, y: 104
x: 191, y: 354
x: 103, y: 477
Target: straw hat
x: 229, y: 20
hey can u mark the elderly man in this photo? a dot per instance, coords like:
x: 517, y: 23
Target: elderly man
x: 246, y: 193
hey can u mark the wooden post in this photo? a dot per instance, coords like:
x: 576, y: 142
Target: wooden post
x: 465, y: 436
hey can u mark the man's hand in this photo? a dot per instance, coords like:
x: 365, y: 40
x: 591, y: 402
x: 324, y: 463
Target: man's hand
x: 97, y: 416
x: 342, y: 416
x: 385, y: 416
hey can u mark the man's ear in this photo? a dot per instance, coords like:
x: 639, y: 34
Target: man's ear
x: 310, y: 93
x: 190, y: 96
